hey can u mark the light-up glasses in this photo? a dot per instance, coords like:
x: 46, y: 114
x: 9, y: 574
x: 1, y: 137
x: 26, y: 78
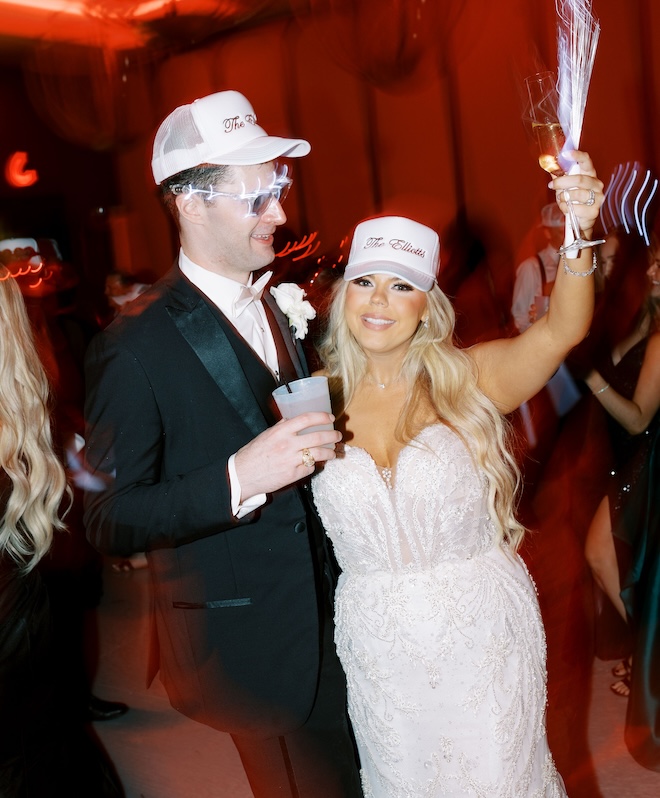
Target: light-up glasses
x: 258, y: 200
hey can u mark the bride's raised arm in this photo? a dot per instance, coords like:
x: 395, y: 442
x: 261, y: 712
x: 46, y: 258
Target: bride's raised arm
x: 511, y: 370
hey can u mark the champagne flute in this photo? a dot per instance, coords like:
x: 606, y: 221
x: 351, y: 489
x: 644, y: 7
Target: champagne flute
x: 550, y: 141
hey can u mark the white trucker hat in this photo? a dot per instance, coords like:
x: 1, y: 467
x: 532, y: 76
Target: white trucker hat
x: 397, y: 246
x: 19, y: 249
x: 219, y: 129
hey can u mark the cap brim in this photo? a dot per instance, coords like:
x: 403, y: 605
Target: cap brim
x: 262, y: 150
x: 420, y: 280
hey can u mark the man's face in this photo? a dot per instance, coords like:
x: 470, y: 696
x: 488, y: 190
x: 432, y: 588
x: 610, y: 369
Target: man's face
x: 235, y: 244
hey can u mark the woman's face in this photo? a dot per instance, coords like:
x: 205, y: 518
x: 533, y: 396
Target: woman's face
x: 384, y: 312
x: 608, y: 252
x: 653, y: 272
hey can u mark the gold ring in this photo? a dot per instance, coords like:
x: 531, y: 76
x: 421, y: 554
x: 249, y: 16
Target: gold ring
x: 307, y: 460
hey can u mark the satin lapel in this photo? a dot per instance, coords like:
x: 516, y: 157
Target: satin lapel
x: 206, y: 337
x: 293, y: 347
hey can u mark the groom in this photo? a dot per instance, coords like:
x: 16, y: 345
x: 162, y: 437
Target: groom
x: 196, y: 472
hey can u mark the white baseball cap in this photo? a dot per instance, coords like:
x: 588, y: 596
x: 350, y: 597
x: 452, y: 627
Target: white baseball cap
x: 219, y: 129
x: 397, y: 246
x: 20, y: 249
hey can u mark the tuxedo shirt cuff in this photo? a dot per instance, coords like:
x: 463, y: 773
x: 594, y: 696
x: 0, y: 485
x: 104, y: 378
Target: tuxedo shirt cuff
x: 240, y: 509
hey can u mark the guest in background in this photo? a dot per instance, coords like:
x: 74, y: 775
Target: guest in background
x: 640, y: 591
x: 45, y: 750
x: 536, y: 275
x: 607, y: 254
x: 72, y: 569
x: 627, y: 385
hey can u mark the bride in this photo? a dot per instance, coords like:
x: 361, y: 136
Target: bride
x: 437, y: 622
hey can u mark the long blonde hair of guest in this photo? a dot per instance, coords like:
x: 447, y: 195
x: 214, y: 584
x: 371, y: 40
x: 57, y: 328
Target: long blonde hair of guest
x: 435, y: 368
x: 37, y: 477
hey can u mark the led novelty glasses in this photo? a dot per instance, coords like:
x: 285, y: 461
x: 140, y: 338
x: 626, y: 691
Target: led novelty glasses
x: 258, y: 200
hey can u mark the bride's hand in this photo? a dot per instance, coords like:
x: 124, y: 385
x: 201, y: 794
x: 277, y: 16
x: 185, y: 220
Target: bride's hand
x: 584, y: 190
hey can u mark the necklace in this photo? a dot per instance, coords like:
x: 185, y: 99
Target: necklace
x: 382, y: 385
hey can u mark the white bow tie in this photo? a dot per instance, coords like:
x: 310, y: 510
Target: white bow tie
x: 250, y: 293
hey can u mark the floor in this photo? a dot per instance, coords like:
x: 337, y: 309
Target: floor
x: 158, y: 753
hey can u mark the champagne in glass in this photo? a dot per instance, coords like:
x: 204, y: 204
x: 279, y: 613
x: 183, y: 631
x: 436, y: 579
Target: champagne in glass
x: 550, y: 140
x: 542, y: 114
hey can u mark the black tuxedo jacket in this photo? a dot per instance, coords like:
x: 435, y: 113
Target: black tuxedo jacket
x: 172, y: 393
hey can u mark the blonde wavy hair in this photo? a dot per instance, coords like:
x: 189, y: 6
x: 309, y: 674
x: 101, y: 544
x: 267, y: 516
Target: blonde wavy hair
x: 437, y: 370
x: 37, y: 477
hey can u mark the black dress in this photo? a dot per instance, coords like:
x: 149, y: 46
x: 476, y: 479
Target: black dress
x: 635, y: 509
x: 630, y: 452
x: 45, y: 750
x: 640, y: 591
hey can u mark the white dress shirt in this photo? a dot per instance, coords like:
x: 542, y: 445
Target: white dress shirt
x: 528, y: 284
x: 252, y: 325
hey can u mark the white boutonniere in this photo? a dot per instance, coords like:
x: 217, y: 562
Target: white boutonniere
x: 291, y: 301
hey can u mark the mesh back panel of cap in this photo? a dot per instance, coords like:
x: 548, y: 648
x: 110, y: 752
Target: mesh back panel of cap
x: 180, y: 133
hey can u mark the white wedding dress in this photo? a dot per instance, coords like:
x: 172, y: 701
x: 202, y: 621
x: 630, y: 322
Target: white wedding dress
x: 437, y: 627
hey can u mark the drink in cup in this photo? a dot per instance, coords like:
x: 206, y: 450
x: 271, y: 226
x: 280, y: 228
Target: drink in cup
x: 304, y: 396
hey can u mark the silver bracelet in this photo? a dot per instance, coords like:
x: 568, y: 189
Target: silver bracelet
x: 603, y: 389
x: 594, y: 264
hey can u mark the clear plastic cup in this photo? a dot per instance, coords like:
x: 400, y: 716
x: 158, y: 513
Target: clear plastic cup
x: 304, y: 396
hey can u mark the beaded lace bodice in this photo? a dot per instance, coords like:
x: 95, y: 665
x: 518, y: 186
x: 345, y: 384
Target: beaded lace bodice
x: 435, y: 508
x: 437, y: 628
